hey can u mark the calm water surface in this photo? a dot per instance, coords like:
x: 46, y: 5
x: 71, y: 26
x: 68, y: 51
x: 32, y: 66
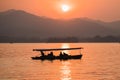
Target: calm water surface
x: 100, y: 61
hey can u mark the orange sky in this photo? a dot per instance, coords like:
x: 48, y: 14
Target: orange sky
x: 107, y: 10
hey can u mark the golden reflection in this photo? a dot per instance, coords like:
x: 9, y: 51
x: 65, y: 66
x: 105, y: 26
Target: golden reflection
x: 65, y: 71
x: 65, y: 45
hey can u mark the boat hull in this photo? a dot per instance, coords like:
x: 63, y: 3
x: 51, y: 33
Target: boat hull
x: 58, y: 57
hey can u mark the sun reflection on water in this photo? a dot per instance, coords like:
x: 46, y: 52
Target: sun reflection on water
x: 65, y: 71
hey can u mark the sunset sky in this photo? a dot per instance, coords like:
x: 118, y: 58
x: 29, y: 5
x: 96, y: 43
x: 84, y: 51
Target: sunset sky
x: 107, y: 10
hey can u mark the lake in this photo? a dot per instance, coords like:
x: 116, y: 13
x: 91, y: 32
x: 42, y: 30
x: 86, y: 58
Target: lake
x: 100, y: 61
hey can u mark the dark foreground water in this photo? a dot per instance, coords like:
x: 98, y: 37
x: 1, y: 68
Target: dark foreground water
x: 100, y: 61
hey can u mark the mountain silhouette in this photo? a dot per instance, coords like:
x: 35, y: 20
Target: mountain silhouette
x: 21, y: 24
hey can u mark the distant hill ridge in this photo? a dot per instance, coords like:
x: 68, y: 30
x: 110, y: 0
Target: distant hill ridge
x: 21, y: 24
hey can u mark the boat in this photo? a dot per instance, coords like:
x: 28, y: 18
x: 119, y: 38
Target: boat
x: 61, y: 56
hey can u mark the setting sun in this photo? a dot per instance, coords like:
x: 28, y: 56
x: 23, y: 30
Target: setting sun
x: 65, y: 8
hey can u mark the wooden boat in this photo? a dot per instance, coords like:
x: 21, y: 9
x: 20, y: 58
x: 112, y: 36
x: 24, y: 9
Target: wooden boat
x: 62, y: 56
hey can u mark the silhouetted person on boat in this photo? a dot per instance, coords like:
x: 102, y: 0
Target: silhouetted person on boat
x: 65, y: 54
x: 51, y: 53
x: 60, y: 54
x: 51, y: 56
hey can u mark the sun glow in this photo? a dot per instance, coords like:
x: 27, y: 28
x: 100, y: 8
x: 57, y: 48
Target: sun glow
x: 65, y: 8
x: 66, y: 46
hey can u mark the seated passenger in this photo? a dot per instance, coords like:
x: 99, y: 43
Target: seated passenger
x: 51, y: 54
x: 60, y: 54
x: 65, y: 54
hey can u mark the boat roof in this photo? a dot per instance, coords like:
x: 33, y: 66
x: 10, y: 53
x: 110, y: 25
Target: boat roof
x: 57, y: 49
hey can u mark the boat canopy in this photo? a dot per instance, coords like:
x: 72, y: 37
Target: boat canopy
x: 57, y: 49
